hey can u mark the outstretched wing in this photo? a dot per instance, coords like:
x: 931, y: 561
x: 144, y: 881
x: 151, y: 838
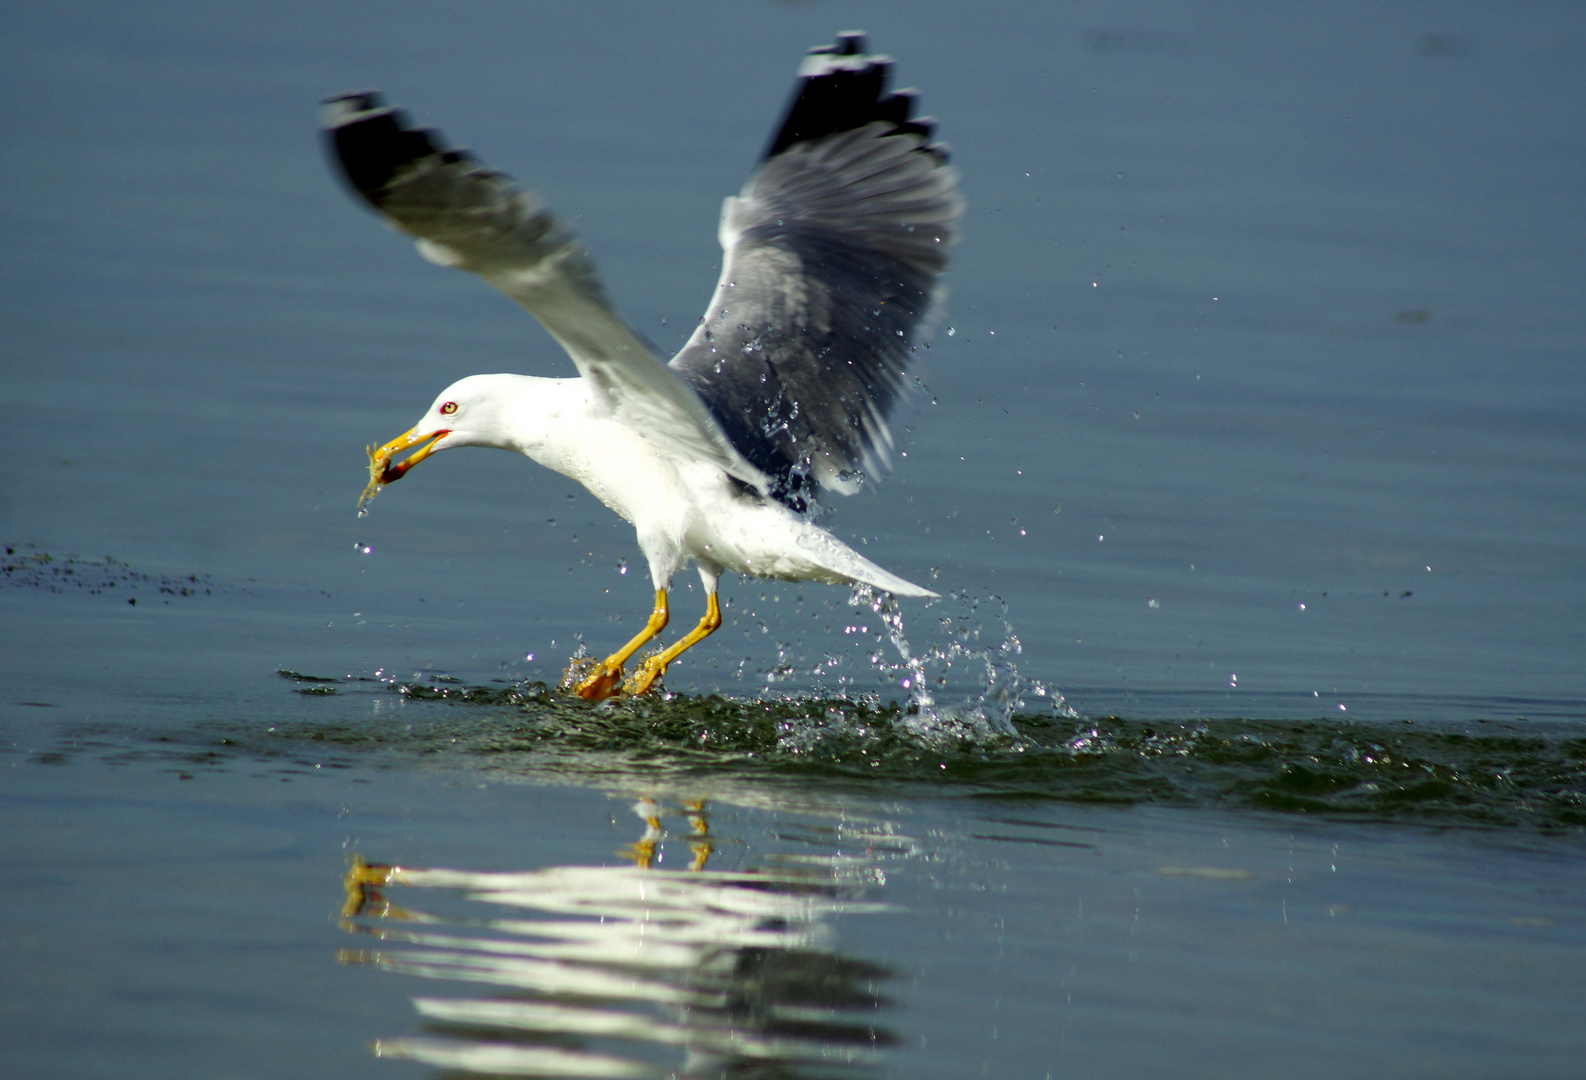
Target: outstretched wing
x: 833, y: 253
x: 468, y: 216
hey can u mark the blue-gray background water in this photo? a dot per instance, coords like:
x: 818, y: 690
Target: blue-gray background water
x: 1250, y: 458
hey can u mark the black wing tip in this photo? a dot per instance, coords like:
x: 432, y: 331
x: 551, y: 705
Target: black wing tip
x: 372, y: 141
x: 848, y: 43
x: 842, y: 87
x: 352, y: 101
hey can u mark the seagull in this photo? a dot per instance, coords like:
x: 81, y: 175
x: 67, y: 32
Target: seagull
x: 830, y: 283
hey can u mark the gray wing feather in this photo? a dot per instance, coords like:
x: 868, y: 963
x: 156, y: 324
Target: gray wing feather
x: 468, y: 216
x: 833, y: 252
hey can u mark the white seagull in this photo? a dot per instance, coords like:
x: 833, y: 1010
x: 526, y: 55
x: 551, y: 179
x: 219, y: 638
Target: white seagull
x: 829, y: 284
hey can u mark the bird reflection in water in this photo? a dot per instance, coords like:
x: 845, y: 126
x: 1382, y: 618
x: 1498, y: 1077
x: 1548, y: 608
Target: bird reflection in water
x: 635, y: 970
x: 642, y: 851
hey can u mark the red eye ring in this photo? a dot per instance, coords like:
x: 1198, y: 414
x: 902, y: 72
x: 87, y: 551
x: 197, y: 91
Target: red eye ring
x: 448, y: 408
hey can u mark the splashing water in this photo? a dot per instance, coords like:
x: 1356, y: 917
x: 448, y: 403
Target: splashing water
x: 985, y: 716
x: 974, y: 655
x: 579, y: 666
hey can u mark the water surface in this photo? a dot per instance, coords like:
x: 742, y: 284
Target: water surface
x: 1248, y: 466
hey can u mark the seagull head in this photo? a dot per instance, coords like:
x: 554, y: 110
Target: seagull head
x: 469, y: 412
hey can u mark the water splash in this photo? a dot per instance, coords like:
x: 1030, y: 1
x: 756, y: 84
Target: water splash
x: 987, y: 714
x: 579, y: 667
x: 1447, y: 771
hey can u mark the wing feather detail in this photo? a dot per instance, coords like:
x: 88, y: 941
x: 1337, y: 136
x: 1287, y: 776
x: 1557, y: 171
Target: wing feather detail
x: 830, y: 282
x: 465, y: 215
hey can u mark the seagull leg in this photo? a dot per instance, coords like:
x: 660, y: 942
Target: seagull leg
x: 606, y: 679
x: 655, y: 666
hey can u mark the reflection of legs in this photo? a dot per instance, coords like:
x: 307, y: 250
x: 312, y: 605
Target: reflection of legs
x: 604, y: 680
x: 655, y: 666
x: 363, y: 882
x: 642, y: 850
x: 700, y: 845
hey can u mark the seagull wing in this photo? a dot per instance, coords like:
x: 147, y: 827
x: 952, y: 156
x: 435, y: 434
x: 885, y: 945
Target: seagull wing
x: 466, y: 215
x: 833, y: 250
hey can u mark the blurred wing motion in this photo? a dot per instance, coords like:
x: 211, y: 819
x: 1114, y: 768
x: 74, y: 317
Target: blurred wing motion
x: 833, y: 253
x: 468, y: 216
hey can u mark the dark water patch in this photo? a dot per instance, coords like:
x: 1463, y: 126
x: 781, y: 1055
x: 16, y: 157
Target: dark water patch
x: 297, y: 676
x: 1353, y: 707
x: 1038, y: 840
x: 1500, y: 773
x: 25, y: 567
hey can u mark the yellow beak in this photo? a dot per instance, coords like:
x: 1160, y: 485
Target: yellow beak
x: 383, y: 472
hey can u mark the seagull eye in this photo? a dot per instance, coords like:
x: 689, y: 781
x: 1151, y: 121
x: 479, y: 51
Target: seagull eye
x: 448, y: 408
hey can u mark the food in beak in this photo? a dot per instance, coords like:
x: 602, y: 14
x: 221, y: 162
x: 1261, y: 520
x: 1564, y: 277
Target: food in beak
x: 381, y: 469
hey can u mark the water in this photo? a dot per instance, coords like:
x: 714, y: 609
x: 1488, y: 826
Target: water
x: 1247, y: 737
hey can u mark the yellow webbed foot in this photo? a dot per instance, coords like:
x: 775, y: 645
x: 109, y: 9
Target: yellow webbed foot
x: 597, y: 682
x: 604, y: 682
x: 644, y: 679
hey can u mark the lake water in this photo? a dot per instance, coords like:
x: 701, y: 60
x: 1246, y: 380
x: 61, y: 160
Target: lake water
x: 1250, y: 468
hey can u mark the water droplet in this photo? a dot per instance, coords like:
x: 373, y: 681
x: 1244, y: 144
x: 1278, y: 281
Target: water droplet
x: 951, y: 331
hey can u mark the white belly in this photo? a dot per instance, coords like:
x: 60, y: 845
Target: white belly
x: 684, y: 509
